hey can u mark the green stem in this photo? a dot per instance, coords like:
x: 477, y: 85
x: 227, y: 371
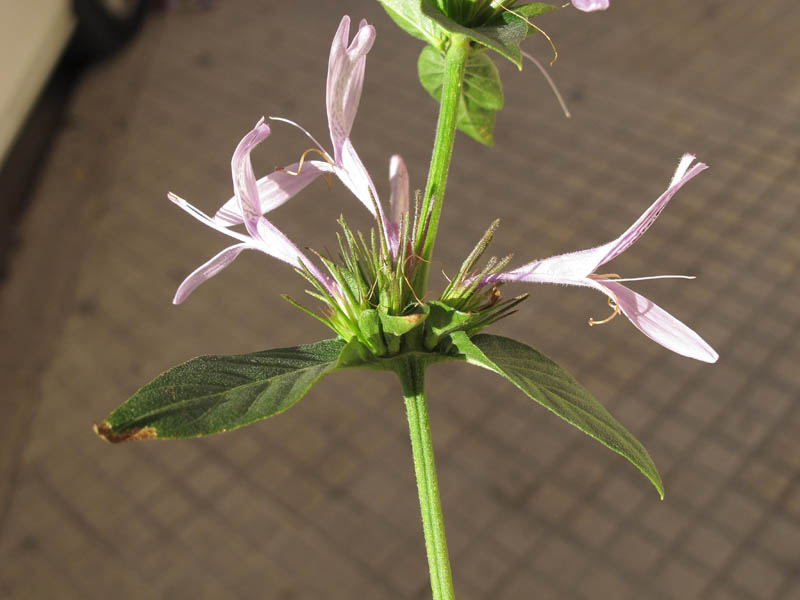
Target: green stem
x: 454, y: 63
x: 412, y: 377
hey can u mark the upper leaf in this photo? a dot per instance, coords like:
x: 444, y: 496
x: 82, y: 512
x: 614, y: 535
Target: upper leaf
x: 210, y: 394
x: 503, y: 34
x: 481, y: 92
x: 548, y: 384
x: 409, y: 17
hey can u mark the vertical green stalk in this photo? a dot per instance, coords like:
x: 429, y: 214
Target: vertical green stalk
x: 454, y: 63
x: 412, y: 377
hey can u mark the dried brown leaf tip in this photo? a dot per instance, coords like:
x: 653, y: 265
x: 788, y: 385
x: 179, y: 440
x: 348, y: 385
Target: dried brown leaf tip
x: 132, y: 435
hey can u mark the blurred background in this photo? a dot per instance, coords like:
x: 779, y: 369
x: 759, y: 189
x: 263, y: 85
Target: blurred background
x: 320, y: 502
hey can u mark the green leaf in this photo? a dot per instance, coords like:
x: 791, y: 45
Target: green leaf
x: 529, y: 11
x: 548, y: 384
x: 503, y: 35
x: 481, y: 92
x: 210, y: 394
x: 409, y: 17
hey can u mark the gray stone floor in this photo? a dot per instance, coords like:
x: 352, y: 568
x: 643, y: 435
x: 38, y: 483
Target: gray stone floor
x: 320, y: 502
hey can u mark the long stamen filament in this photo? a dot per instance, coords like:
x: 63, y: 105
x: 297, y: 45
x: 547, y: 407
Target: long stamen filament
x: 614, y: 304
x: 537, y: 28
x: 324, y: 156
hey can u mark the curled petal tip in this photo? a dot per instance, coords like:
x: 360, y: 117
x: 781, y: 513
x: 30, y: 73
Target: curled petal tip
x: 590, y: 5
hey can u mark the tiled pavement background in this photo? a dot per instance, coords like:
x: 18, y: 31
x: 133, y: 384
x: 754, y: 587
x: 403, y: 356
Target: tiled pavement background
x: 320, y: 502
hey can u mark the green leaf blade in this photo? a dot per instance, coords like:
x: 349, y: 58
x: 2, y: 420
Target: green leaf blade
x: 547, y: 383
x: 211, y: 394
x: 409, y: 17
x: 481, y: 92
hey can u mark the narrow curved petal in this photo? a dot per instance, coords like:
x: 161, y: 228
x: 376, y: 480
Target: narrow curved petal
x: 398, y: 183
x: 345, y: 79
x: 207, y: 270
x: 244, y: 181
x: 205, y: 219
x: 590, y: 5
x: 273, y: 242
x: 274, y: 190
x: 682, y: 175
x: 354, y: 175
x: 584, y: 262
x: 646, y: 316
x: 659, y: 325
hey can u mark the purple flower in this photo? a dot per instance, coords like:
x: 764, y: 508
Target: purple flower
x: 261, y: 234
x: 343, y: 92
x: 590, y: 5
x: 579, y: 268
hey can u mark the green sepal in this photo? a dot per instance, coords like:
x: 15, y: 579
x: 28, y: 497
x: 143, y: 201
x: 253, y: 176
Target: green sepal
x: 481, y: 92
x: 547, y: 383
x: 369, y: 325
x: 211, y: 394
x: 355, y: 355
x: 396, y: 326
x: 442, y: 321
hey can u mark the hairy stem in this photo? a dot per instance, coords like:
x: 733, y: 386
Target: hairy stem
x: 412, y: 377
x: 454, y: 63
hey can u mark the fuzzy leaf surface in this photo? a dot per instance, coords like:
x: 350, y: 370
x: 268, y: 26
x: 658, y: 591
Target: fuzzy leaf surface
x: 481, y: 92
x: 547, y: 383
x: 504, y: 35
x: 407, y: 14
x: 211, y: 394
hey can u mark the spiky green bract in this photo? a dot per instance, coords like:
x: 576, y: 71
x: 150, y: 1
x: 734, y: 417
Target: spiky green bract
x: 376, y: 304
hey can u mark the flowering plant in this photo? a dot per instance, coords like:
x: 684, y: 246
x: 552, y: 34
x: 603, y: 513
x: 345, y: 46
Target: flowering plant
x: 371, y: 291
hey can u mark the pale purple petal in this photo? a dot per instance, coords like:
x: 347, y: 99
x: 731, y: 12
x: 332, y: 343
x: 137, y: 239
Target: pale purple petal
x: 345, y: 79
x: 531, y: 274
x: 398, y: 183
x: 276, y: 244
x: 584, y: 262
x: 659, y: 325
x: 590, y: 5
x: 683, y: 173
x: 244, y: 181
x: 274, y: 189
x: 353, y: 174
x: 575, y: 265
x: 206, y: 271
x: 205, y: 219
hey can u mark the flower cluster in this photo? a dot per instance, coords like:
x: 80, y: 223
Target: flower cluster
x: 375, y: 274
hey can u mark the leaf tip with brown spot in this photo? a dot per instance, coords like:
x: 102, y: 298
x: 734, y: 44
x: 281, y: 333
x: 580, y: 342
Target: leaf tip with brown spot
x: 105, y: 431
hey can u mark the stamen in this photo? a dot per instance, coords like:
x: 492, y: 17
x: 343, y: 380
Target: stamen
x: 537, y: 28
x: 550, y: 82
x: 614, y: 304
x: 324, y: 156
x: 604, y: 276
